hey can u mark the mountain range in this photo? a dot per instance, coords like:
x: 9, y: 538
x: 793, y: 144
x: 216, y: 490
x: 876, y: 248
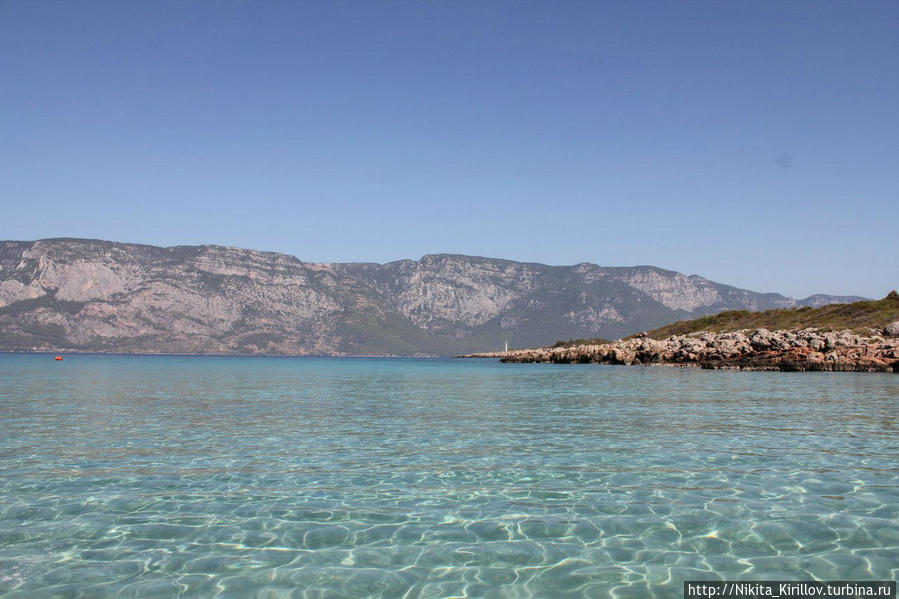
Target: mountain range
x: 91, y: 295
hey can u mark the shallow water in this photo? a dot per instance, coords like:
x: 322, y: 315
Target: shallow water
x: 125, y: 476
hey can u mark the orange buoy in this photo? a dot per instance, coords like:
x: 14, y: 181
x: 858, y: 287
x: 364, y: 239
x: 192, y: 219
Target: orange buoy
x: 58, y: 358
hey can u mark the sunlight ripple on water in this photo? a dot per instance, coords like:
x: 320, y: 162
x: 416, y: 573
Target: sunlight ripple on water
x: 279, y: 477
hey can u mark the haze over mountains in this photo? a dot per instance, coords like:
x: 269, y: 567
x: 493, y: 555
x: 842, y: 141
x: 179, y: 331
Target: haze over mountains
x: 89, y: 295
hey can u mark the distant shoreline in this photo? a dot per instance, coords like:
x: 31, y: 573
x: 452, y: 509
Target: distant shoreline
x: 64, y: 353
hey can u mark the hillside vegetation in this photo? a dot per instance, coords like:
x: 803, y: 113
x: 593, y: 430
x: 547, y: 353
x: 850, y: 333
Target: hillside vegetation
x: 857, y: 316
x: 576, y: 342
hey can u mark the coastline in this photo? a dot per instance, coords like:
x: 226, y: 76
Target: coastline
x: 760, y: 349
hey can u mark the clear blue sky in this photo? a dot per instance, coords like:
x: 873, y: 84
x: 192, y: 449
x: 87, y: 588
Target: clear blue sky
x: 753, y: 143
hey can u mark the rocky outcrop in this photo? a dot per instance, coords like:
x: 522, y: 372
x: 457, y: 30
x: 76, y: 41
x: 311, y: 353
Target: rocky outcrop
x: 760, y: 349
x: 88, y: 295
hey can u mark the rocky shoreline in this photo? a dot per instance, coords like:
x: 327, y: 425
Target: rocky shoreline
x: 761, y: 349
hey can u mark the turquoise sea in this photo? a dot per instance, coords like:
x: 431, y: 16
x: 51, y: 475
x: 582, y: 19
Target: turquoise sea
x: 147, y: 476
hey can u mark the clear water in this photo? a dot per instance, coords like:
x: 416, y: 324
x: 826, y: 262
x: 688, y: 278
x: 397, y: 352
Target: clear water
x: 278, y: 477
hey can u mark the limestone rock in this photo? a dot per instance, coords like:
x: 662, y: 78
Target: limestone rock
x: 759, y: 350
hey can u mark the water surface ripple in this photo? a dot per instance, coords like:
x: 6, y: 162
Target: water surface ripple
x: 127, y: 476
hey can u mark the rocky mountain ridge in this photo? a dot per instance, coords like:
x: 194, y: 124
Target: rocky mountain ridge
x: 90, y: 295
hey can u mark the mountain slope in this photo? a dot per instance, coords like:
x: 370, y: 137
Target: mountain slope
x: 103, y: 296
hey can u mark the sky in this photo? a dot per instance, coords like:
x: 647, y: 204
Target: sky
x: 753, y: 143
